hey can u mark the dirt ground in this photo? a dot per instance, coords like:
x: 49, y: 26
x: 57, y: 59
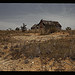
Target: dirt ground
x: 35, y: 65
x: 40, y: 38
x: 27, y: 64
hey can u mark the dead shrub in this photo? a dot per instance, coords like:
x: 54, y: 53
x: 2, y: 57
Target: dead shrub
x: 54, y: 48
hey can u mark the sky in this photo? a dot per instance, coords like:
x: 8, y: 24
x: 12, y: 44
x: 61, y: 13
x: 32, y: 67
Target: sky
x: 13, y: 15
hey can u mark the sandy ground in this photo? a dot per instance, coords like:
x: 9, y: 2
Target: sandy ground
x: 41, y: 38
x: 23, y: 64
x: 35, y: 65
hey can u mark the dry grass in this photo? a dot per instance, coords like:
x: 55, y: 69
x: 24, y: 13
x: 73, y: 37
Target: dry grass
x: 47, y: 50
x: 59, y: 48
x: 53, y: 48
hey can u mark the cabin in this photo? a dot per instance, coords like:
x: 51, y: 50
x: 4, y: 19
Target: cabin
x: 47, y: 25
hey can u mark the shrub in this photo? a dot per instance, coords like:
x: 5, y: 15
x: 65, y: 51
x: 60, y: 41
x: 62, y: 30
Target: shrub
x: 55, y: 48
x: 17, y: 29
x: 68, y: 28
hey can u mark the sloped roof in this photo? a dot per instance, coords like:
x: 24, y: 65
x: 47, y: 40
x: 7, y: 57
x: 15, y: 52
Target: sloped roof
x: 34, y: 26
x: 45, y: 22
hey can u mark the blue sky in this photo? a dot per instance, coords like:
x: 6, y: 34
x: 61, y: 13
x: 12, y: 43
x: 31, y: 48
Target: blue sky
x: 12, y: 15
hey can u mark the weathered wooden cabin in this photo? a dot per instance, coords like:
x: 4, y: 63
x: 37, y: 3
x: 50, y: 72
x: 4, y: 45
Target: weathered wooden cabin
x: 47, y: 25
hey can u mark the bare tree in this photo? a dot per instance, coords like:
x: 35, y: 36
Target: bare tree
x: 23, y: 28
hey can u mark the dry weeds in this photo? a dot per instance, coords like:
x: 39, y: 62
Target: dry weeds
x: 30, y: 52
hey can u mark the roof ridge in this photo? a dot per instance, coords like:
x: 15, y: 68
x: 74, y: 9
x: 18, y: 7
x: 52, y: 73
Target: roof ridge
x: 48, y: 20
